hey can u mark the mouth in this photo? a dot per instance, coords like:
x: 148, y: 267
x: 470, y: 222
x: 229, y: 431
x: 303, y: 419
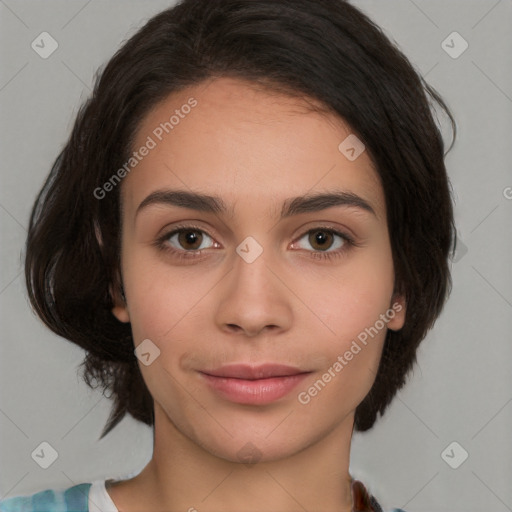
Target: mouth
x: 255, y: 385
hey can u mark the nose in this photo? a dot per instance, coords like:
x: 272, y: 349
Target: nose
x: 254, y: 299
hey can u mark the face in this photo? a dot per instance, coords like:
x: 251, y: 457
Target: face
x: 296, y: 292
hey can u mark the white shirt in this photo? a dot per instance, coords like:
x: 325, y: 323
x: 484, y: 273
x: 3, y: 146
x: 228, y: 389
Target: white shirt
x: 99, y: 498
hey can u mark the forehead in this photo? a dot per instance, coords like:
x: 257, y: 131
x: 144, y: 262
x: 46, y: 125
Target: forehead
x: 248, y: 145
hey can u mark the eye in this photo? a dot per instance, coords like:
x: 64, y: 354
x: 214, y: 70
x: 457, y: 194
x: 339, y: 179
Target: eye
x: 189, y: 239
x: 322, y: 240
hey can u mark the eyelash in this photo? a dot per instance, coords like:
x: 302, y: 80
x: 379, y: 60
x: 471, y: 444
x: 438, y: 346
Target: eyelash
x: 162, y: 245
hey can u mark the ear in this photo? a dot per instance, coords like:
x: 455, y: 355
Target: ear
x: 120, y: 309
x: 399, y: 307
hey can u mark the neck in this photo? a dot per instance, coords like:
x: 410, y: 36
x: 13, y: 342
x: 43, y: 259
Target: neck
x: 183, y: 476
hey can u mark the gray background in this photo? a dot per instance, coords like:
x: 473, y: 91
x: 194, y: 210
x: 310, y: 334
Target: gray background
x: 461, y: 389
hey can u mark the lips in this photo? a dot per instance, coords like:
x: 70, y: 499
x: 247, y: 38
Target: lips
x: 253, y: 385
x: 246, y: 372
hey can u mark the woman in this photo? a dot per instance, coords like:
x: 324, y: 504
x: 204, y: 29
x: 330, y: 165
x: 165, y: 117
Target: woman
x: 248, y: 232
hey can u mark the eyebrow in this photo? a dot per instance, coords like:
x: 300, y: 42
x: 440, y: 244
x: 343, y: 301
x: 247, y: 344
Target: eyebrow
x: 310, y: 203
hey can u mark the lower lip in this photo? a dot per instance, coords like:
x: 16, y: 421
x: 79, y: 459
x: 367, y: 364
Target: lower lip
x: 254, y: 392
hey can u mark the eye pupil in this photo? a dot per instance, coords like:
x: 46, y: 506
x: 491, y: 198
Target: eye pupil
x: 189, y: 238
x: 319, y: 237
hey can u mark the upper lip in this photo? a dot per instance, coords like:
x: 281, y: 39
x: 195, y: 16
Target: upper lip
x: 248, y: 372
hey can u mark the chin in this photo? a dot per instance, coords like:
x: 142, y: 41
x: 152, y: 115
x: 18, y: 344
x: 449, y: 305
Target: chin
x: 252, y: 450
x: 251, y: 443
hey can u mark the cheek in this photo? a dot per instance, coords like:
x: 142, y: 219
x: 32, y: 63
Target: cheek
x: 347, y: 300
x: 162, y: 298
x: 350, y: 351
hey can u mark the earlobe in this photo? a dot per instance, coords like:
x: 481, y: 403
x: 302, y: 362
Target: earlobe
x: 121, y: 313
x: 120, y: 309
x: 397, y: 312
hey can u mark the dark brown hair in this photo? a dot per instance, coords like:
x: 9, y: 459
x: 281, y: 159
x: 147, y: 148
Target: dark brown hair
x: 326, y: 50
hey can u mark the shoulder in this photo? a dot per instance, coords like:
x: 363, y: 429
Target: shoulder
x: 72, y: 499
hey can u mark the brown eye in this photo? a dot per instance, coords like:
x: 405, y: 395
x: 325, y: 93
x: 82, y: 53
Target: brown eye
x: 190, y: 239
x: 325, y: 243
x: 185, y: 239
x: 320, y: 240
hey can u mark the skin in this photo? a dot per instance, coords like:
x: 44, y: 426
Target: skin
x: 254, y: 149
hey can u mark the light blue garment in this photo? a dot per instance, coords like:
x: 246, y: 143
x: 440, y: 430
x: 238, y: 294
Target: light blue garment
x: 73, y: 499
